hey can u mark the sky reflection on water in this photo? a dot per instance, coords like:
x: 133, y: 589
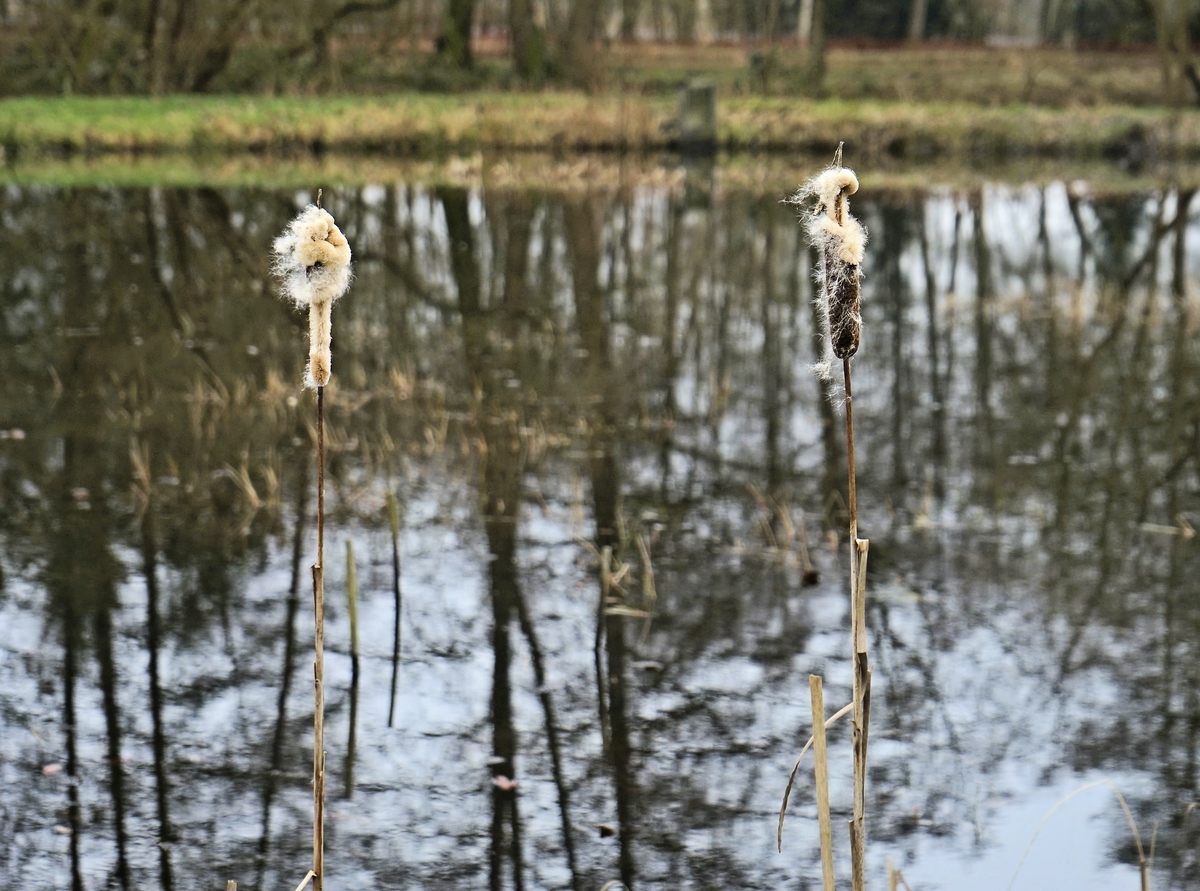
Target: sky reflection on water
x: 538, y: 376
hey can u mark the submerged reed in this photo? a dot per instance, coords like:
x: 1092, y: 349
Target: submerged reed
x: 840, y: 241
x: 312, y: 257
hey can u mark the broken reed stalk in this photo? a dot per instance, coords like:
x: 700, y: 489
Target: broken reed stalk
x: 821, y: 779
x: 312, y: 257
x: 896, y: 878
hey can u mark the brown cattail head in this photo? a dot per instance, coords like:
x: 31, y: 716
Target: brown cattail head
x: 312, y: 257
x: 840, y: 240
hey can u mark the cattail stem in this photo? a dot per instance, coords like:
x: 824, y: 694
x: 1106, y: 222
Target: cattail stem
x: 861, y: 695
x: 851, y: 485
x: 318, y: 573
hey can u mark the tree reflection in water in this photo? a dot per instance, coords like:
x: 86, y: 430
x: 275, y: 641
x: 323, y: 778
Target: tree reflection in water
x: 548, y: 375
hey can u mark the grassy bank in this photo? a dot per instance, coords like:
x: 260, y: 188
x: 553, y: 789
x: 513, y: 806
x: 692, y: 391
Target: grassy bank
x: 421, y: 124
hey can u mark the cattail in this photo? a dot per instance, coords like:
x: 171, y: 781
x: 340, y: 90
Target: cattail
x: 840, y: 238
x: 312, y: 257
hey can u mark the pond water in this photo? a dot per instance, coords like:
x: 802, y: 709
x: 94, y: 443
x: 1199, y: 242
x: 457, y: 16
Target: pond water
x: 535, y: 376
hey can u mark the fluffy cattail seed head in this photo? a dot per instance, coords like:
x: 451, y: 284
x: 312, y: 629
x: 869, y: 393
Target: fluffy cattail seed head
x: 312, y: 257
x: 840, y: 240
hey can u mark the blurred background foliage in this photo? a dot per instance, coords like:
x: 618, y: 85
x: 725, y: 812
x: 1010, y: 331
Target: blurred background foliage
x: 157, y: 47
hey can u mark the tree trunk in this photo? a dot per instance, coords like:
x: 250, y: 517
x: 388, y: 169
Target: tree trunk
x: 454, y: 44
x: 1171, y: 32
x: 528, y: 40
x: 580, y: 57
x: 704, y: 23
x: 804, y: 22
x: 917, y: 14
x: 631, y: 11
x: 816, y: 48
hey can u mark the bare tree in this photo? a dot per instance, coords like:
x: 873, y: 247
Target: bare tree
x: 703, y: 29
x: 917, y: 15
x: 167, y: 46
x: 804, y: 22
x: 580, y: 54
x: 528, y: 40
x: 1174, y: 48
x: 631, y: 12
x: 815, y: 76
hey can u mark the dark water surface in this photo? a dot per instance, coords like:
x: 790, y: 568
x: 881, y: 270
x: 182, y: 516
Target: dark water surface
x: 538, y: 376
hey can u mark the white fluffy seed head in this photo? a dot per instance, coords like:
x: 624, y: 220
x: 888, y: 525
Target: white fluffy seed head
x: 840, y: 241
x: 848, y: 238
x: 312, y: 257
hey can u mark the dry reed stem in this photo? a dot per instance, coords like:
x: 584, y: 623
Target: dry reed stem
x: 896, y: 878
x: 787, y: 790
x: 858, y: 832
x: 304, y: 882
x: 318, y: 574
x: 858, y: 856
x: 821, y: 778
x: 649, y: 592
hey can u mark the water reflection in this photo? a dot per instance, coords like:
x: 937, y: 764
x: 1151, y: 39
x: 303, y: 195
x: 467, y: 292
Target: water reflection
x: 548, y: 379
